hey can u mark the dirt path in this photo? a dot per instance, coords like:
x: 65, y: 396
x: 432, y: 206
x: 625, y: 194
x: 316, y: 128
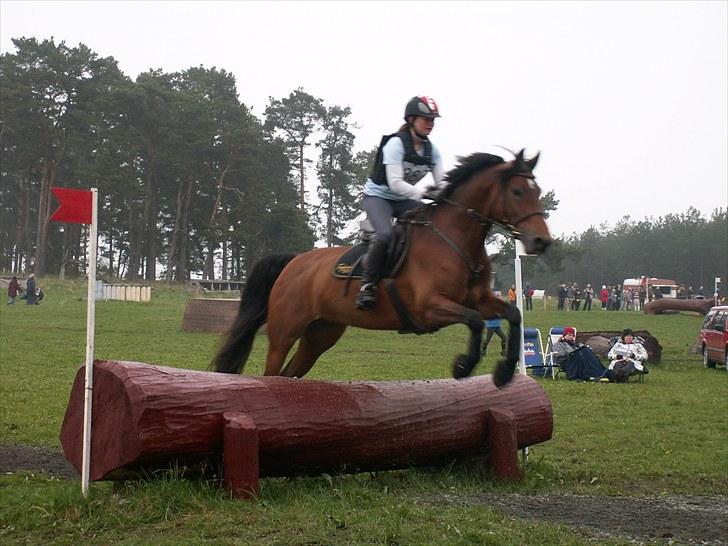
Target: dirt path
x: 678, y: 519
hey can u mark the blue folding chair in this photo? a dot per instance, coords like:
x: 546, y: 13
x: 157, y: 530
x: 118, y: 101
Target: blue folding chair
x: 533, y: 352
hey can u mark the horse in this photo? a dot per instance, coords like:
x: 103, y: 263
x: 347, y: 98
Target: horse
x: 444, y: 280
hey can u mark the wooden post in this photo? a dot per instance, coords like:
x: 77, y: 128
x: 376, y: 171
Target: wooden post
x: 502, y: 442
x: 240, y: 455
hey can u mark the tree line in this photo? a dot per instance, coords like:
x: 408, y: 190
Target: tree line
x: 190, y: 180
x: 686, y: 247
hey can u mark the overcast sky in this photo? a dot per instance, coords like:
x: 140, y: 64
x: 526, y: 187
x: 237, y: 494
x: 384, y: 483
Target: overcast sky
x: 627, y: 102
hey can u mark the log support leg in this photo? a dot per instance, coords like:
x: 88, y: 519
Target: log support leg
x: 503, y: 444
x: 240, y: 455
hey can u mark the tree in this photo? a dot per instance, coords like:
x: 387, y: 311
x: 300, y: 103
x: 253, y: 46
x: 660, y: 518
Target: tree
x: 336, y: 174
x: 295, y: 118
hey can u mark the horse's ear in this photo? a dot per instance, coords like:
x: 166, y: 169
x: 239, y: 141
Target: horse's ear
x: 519, y: 156
x: 533, y: 161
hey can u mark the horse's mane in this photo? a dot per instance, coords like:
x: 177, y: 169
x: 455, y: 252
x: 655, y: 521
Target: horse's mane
x: 466, y: 168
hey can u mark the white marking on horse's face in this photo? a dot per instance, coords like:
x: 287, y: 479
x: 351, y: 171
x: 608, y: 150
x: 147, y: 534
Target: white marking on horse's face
x: 532, y: 184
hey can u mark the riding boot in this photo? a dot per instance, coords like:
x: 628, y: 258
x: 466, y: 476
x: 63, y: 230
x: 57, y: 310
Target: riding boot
x: 373, y: 266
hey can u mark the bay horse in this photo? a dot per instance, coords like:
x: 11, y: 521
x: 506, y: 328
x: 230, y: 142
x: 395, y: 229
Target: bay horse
x: 444, y: 280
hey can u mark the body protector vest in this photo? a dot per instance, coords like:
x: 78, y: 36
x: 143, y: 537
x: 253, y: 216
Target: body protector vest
x: 414, y: 166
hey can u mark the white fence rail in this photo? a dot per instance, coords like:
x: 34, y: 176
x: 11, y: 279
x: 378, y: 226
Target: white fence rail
x: 123, y: 292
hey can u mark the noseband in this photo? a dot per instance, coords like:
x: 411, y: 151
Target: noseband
x: 484, y: 221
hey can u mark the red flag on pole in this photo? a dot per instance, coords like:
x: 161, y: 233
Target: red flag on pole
x: 74, y: 206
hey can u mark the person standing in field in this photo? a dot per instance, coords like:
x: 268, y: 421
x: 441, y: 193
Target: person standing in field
x: 604, y: 297
x: 588, y: 296
x: 512, y: 294
x: 30, y: 290
x: 13, y: 290
x: 493, y: 326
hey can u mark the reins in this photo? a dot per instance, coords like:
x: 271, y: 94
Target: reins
x: 476, y: 269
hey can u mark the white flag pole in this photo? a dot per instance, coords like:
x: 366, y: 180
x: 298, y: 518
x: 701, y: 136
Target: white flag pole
x: 90, y: 325
x: 520, y: 251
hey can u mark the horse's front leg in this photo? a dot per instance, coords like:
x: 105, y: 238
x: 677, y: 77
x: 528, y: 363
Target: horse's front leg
x: 506, y: 367
x: 444, y: 312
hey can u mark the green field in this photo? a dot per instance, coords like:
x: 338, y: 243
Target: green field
x: 666, y: 436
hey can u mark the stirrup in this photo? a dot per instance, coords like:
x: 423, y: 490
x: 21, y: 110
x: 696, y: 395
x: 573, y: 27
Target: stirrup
x: 367, y: 296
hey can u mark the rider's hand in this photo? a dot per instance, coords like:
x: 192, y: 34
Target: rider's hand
x: 432, y: 192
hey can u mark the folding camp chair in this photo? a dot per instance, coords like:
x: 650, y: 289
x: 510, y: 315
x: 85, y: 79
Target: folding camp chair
x: 555, y: 335
x: 533, y: 355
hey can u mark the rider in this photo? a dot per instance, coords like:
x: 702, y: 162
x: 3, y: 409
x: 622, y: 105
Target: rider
x: 396, y: 184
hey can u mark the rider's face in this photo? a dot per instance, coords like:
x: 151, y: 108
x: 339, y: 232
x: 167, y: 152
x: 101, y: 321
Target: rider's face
x: 422, y: 125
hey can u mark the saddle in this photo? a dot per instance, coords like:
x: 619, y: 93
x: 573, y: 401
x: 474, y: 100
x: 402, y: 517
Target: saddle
x: 350, y: 264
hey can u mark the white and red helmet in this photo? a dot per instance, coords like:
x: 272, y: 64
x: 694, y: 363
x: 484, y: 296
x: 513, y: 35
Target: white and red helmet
x: 422, y: 106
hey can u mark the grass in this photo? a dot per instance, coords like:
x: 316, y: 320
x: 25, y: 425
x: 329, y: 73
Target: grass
x: 668, y: 435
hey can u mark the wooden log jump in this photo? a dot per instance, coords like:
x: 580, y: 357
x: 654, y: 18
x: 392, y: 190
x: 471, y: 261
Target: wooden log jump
x: 149, y: 417
x: 210, y: 315
x: 667, y: 305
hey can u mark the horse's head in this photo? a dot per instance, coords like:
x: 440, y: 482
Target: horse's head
x: 503, y: 193
x: 519, y: 209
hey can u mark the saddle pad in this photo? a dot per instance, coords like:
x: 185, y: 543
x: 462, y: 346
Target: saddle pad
x: 349, y: 265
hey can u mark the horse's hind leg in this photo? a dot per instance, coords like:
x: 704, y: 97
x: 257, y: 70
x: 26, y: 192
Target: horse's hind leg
x: 319, y: 337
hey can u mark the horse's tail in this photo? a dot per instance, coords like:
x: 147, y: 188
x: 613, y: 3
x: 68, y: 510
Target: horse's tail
x: 252, y: 314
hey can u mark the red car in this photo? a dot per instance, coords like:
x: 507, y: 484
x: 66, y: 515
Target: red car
x: 714, y: 337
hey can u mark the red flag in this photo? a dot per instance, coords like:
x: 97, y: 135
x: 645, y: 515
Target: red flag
x: 74, y: 206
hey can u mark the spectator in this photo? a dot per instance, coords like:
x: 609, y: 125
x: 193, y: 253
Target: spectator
x: 576, y: 302
x: 569, y: 296
x: 627, y: 358
x: 561, y: 294
x: 13, y: 290
x: 642, y: 294
x: 690, y: 292
x: 512, y: 294
x: 528, y: 293
x: 604, y: 297
x: 493, y: 326
x: 588, y: 296
x: 576, y: 359
x: 30, y: 297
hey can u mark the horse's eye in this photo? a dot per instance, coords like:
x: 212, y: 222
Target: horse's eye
x: 518, y: 192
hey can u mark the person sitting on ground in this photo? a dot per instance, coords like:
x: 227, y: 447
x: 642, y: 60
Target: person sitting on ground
x: 493, y: 326
x: 627, y: 358
x: 576, y: 359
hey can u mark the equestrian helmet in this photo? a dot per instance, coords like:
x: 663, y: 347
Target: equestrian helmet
x: 425, y: 107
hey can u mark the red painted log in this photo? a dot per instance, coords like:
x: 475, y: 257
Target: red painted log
x: 666, y: 305
x: 145, y: 417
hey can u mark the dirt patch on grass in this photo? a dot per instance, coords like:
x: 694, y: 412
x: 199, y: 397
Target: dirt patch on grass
x: 20, y: 458
x: 678, y: 519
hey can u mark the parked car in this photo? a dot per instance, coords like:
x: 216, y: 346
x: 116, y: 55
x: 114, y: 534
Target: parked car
x: 714, y: 337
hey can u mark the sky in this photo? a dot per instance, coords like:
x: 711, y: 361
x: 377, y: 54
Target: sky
x: 626, y: 101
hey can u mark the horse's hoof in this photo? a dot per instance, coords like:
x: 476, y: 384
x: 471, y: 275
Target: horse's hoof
x: 462, y: 367
x: 503, y: 373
